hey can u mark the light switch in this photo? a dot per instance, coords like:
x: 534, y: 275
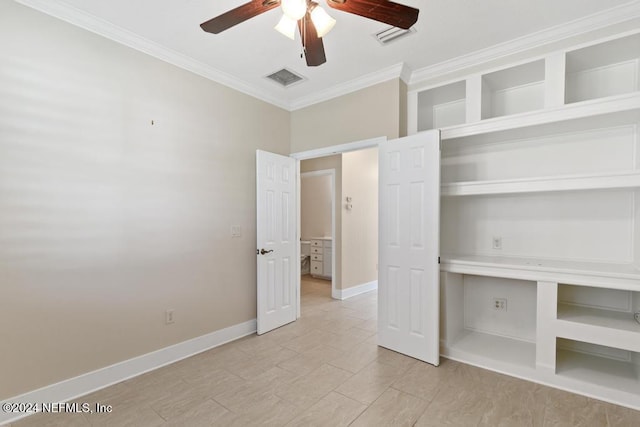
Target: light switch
x: 236, y: 231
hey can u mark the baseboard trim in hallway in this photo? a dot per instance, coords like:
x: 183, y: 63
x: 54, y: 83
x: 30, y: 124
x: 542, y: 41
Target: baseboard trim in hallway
x: 104, y: 377
x: 343, y: 294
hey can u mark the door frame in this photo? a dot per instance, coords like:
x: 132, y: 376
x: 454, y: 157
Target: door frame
x: 332, y: 174
x: 314, y: 154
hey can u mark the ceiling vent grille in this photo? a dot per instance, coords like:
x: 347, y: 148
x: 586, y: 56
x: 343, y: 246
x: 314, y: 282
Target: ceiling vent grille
x: 392, y: 34
x: 285, y: 77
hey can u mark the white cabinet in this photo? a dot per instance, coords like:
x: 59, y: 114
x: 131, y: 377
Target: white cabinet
x: 321, y: 257
x: 540, y: 228
x: 326, y: 258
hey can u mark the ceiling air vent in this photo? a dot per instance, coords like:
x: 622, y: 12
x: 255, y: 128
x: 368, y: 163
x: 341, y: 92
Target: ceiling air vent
x: 392, y: 34
x: 285, y: 77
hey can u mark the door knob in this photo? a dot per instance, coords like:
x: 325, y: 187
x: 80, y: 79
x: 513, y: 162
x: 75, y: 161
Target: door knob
x: 262, y: 251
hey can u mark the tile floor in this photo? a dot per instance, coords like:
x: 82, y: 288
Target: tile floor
x: 326, y: 370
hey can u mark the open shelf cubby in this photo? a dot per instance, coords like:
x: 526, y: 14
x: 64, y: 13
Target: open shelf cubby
x: 442, y: 106
x: 473, y: 329
x: 604, y: 69
x: 603, y: 366
x: 513, y: 90
x: 590, y: 153
x: 599, y: 315
x: 487, y: 349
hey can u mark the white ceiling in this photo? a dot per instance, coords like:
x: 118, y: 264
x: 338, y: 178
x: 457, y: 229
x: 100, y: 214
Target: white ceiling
x: 244, y: 54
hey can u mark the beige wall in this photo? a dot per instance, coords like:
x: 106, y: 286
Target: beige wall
x: 360, y: 224
x: 402, y: 109
x: 331, y: 162
x: 367, y: 113
x: 315, y: 206
x: 107, y: 220
x: 376, y: 111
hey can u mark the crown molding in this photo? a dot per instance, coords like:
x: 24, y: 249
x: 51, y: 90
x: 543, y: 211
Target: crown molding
x: 74, y: 16
x: 615, y: 15
x: 405, y: 73
x: 381, y: 76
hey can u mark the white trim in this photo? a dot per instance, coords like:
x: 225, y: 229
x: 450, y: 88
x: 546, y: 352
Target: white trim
x: 318, y: 172
x: 612, y: 16
x: 339, y: 149
x: 405, y: 73
x: 362, y: 82
x: 356, y: 290
x: 332, y: 175
x: 298, y: 238
x: 127, y: 38
x: 564, y: 113
x: 608, y: 180
x: 92, y: 381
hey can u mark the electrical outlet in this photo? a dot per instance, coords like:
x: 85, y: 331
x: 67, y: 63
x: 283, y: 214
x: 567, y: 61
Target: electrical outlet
x: 236, y: 231
x: 169, y: 317
x: 500, y: 304
x: 497, y: 242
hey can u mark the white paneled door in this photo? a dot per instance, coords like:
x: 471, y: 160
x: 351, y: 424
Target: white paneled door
x: 409, y: 221
x: 276, y: 240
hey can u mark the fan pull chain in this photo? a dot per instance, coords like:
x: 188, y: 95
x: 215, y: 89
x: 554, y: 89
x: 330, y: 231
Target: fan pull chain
x: 304, y: 32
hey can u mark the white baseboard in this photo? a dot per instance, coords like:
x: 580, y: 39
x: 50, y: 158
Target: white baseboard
x: 104, y: 377
x: 355, y: 290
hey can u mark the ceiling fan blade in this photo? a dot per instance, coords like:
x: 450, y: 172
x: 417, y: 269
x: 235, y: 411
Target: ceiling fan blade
x: 391, y: 13
x: 239, y: 14
x: 312, y: 44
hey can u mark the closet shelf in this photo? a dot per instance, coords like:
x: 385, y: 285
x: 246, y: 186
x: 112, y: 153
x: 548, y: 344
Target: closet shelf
x: 605, y: 275
x: 564, y: 113
x: 610, y: 180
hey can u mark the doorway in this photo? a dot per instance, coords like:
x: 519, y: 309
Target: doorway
x: 317, y: 222
x: 354, y: 212
x: 408, y: 239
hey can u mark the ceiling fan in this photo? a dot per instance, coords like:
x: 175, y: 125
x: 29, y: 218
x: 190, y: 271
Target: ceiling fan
x: 312, y: 21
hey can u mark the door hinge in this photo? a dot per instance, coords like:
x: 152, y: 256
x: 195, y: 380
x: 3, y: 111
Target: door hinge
x: 438, y: 260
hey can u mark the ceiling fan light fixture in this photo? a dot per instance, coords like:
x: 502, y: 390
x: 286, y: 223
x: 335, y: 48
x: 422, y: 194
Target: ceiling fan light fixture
x: 294, y: 9
x: 287, y: 27
x: 322, y: 21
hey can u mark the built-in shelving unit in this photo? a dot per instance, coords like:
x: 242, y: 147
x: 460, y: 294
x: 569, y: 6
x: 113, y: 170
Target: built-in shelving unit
x: 540, y: 216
